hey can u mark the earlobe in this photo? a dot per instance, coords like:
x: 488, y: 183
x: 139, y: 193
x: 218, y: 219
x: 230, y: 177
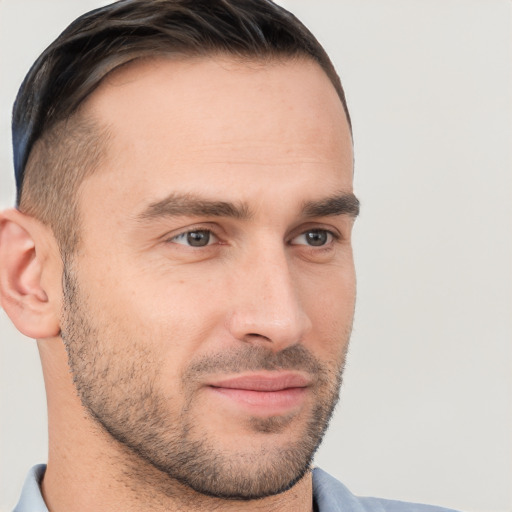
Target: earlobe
x: 23, y: 257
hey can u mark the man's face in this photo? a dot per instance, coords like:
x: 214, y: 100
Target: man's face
x: 209, y: 306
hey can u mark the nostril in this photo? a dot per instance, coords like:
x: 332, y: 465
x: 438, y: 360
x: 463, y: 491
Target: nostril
x: 256, y: 335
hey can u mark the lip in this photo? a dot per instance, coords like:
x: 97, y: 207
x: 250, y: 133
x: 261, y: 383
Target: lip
x: 263, y: 394
x: 263, y: 382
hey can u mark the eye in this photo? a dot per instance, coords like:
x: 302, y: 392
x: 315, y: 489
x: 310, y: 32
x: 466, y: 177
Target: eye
x: 195, y: 238
x: 314, y: 238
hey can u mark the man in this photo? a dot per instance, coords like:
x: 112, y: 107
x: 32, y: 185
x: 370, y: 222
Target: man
x: 181, y: 252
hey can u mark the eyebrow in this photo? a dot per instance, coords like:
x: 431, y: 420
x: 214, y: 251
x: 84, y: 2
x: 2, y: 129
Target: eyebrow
x: 338, y: 204
x: 175, y: 205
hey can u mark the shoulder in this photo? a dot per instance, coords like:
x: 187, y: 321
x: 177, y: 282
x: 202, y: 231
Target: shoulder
x: 332, y: 496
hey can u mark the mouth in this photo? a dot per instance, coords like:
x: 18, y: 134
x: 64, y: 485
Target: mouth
x: 264, y: 394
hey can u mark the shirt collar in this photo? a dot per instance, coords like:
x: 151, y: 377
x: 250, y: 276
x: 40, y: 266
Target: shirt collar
x: 31, y: 499
x: 328, y: 493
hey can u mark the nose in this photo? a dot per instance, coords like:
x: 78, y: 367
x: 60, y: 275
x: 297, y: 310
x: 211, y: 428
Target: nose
x: 266, y: 302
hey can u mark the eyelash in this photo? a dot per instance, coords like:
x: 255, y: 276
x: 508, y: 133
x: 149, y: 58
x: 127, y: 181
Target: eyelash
x: 332, y: 234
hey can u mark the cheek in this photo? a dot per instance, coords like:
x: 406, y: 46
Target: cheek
x: 329, y: 300
x: 171, y: 315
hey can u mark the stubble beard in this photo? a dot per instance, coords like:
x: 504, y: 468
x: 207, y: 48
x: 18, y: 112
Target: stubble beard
x: 119, y: 392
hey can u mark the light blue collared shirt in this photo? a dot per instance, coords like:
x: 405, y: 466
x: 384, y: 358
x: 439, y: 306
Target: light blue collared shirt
x: 329, y: 496
x: 31, y: 499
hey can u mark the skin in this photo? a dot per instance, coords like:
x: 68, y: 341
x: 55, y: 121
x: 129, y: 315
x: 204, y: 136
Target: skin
x: 159, y: 315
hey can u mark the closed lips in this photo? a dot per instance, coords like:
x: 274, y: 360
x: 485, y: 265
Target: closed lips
x: 263, y: 382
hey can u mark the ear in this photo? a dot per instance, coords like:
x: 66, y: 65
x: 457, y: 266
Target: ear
x: 26, y: 256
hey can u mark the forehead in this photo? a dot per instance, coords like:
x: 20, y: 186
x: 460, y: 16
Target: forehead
x: 183, y: 121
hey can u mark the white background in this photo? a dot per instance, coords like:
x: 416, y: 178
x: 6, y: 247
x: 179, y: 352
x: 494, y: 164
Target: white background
x: 426, y: 410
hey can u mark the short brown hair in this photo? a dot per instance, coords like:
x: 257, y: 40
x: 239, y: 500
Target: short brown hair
x: 55, y: 147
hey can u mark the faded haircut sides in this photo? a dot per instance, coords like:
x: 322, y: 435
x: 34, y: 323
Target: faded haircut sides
x: 55, y: 146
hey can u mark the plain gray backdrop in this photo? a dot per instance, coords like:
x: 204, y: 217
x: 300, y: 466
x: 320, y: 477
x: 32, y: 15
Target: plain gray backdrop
x: 425, y: 413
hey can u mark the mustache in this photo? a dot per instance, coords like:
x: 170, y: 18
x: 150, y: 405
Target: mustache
x: 256, y: 358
